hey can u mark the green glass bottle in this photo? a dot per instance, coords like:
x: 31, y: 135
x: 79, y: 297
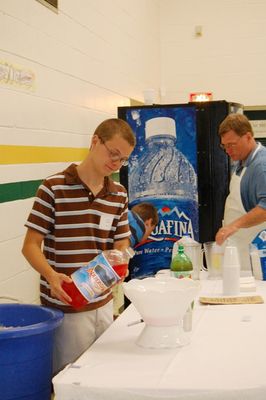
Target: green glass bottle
x: 181, y: 265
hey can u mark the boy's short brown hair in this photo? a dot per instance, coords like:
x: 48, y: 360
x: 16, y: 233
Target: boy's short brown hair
x: 115, y: 126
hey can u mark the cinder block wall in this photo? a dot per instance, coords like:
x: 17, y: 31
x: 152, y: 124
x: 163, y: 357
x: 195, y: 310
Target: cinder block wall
x: 227, y: 58
x: 61, y: 74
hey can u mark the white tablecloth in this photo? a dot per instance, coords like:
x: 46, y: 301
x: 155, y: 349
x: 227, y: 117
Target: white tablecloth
x: 225, y: 360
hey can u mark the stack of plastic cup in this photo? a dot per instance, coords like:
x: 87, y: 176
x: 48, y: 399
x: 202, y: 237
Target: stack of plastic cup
x: 231, y: 271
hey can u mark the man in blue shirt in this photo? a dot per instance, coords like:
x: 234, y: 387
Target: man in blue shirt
x: 245, y: 207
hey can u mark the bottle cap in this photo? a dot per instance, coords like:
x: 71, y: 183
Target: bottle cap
x: 130, y: 252
x: 160, y: 126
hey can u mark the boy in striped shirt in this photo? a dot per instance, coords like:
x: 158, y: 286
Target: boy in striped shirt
x: 77, y: 214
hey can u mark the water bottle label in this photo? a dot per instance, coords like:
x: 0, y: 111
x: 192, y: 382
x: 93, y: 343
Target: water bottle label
x: 95, y: 278
x: 260, y: 244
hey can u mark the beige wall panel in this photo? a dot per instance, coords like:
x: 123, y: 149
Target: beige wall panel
x: 22, y: 172
x: 13, y: 216
x: 23, y: 287
x: 11, y: 259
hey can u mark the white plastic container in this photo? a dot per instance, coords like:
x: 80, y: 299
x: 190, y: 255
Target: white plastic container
x: 231, y: 272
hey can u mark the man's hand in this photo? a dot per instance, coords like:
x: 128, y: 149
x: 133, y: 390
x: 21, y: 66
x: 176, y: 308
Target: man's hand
x: 224, y: 233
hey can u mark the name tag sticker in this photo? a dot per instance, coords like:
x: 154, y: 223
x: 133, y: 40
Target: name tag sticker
x: 106, y: 222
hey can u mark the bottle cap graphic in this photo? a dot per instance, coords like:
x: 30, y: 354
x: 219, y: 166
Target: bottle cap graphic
x: 160, y: 126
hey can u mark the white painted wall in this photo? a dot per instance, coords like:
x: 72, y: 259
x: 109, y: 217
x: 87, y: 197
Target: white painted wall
x: 88, y: 59
x: 228, y: 59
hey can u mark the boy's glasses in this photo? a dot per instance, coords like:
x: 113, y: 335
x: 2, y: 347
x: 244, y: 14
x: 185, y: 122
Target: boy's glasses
x: 115, y: 156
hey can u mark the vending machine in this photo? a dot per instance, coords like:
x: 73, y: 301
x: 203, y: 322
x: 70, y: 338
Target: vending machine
x: 179, y: 167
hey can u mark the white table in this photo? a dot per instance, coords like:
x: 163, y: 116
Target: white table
x: 225, y: 360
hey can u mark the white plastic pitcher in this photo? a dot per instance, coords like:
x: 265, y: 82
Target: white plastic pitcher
x: 194, y: 251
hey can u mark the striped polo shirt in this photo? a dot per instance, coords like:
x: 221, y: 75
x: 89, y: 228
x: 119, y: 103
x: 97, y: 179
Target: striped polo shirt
x: 76, y: 225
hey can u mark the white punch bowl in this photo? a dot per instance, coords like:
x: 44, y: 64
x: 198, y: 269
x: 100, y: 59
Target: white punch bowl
x: 162, y: 304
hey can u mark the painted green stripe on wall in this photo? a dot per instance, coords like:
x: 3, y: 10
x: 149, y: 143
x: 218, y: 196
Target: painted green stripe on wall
x: 24, y: 190
x: 18, y: 190
x: 38, y: 154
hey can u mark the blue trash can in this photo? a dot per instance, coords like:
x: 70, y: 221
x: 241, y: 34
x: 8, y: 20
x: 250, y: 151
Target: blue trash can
x: 26, y: 350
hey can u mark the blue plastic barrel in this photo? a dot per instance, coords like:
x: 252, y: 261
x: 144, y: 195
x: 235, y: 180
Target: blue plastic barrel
x: 26, y: 350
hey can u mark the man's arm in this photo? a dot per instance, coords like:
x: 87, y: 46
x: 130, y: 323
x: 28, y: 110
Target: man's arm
x: 32, y: 251
x: 254, y: 217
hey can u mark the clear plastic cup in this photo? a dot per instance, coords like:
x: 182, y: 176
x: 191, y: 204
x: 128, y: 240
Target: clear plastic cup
x: 214, y: 259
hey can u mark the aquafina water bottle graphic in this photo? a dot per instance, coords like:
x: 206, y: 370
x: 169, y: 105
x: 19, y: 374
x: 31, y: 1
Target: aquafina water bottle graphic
x: 162, y: 175
x: 162, y: 170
